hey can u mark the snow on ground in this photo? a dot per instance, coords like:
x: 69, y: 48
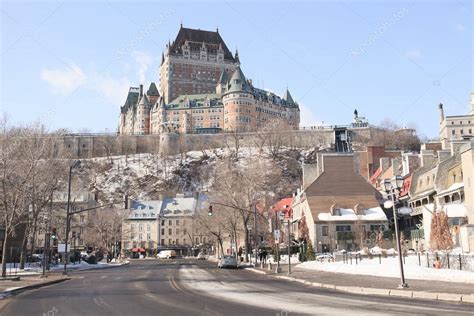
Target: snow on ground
x: 36, y: 268
x: 390, y: 268
x: 144, y: 176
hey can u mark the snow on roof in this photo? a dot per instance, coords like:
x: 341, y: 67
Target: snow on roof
x: 145, y: 209
x: 455, y: 210
x: 371, y: 214
x: 452, y: 187
x: 179, y: 206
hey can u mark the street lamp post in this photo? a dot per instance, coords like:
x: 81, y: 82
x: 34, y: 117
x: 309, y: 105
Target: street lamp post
x: 255, y: 231
x: 392, y: 186
x: 68, y: 219
x: 277, y: 221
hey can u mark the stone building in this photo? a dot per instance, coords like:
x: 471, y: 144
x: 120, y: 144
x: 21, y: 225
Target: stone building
x: 456, y: 127
x: 193, y: 63
x: 339, y: 205
x: 162, y: 224
x: 80, y: 223
x: 203, y: 90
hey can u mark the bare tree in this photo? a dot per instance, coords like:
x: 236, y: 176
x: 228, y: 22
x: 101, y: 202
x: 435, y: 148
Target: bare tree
x: 26, y: 178
x: 440, y: 236
x: 242, y: 186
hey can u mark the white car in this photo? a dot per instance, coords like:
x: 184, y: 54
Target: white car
x: 166, y: 254
x: 227, y: 262
x: 201, y: 256
x: 325, y: 258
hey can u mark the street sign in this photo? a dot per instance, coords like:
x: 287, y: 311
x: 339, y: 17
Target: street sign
x: 281, y: 216
x: 276, y: 234
x: 62, y: 248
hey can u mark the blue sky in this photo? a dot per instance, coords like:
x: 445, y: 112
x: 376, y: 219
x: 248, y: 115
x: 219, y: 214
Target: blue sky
x: 70, y: 63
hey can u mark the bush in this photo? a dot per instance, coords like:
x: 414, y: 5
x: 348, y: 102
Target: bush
x: 310, y: 255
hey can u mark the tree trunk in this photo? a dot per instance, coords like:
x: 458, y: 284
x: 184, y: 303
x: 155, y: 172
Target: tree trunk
x: 23, y: 250
x: 4, y: 255
x: 33, y: 238
x: 247, y: 244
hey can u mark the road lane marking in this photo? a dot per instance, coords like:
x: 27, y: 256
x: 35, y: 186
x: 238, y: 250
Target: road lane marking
x: 174, y: 285
x: 103, y: 277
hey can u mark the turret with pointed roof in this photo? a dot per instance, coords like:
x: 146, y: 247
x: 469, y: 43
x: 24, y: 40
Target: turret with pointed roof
x: 288, y: 98
x: 238, y: 82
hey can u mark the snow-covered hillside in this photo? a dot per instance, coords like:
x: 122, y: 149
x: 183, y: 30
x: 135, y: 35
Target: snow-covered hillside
x: 146, y: 176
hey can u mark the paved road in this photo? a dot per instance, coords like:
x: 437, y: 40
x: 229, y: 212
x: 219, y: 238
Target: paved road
x: 189, y: 287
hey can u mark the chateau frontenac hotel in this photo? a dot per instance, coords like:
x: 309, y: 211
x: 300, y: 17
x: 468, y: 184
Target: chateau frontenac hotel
x: 202, y: 89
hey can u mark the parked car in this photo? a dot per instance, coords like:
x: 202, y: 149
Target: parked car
x: 325, y: 258
x: 166, y: 254
x: 227, y: 262
x: 201, y: 256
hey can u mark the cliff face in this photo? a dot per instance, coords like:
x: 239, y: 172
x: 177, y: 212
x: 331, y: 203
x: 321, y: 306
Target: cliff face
x: 149, y: 176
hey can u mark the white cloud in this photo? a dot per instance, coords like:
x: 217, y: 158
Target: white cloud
x: 64, y: 80
x: 307, y: 117
x: 459, y: 27
x: 413, y: 54
x: 144, y: 61
x: 114, y: 90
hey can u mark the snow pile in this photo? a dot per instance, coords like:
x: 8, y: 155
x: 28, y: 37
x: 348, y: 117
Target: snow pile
x: 390, y: 268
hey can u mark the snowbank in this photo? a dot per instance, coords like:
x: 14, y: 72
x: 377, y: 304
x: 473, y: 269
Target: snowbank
x: 389, y: 268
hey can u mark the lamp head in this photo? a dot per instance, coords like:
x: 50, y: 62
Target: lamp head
x: 397, y: 182
x: 387, y: 185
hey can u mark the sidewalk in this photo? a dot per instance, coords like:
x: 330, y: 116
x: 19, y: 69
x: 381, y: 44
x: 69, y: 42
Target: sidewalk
x: 8, y: 288
x: 363, y: 284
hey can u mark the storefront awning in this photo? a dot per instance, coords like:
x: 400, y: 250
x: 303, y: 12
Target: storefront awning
x: 138, y: 250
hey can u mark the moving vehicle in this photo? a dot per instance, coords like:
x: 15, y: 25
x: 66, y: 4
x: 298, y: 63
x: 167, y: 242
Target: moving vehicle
x: 166, y: 254
x: 201, y: 256
x: 227, y: 262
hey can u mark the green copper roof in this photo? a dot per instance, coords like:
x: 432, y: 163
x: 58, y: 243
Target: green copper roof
x: 152, y: 90
x: 238, y: 82
x: 287, y: 97
x: 196, y: 101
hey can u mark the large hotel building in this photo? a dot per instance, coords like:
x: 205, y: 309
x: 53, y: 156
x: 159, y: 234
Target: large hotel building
x: 202, y: 89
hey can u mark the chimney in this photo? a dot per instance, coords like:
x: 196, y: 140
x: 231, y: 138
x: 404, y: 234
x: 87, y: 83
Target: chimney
x: 384, y: 163
x: 456, y: 146
x: 444, y: 154
x: 441, y: 113
x: 396, y: 162
x: 141, y: 91
x: 427, y: 157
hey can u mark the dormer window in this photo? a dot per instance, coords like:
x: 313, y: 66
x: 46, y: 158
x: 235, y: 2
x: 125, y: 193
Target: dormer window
x: 336, y: 212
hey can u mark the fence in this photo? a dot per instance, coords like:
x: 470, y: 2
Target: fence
x: 428, y: 260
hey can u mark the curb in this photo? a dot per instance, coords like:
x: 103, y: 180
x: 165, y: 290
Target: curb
x: 9, y: 293
x: 445, y: 297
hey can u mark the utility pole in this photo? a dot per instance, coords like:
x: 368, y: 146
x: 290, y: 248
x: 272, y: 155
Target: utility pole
x: 289, y: 250
x: 66, y: 250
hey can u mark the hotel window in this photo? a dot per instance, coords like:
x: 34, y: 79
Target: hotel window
x: 148, y: 236
x: 170, y: 232
x: 162, y: 231
x: 140, y: 227
x: 148, y: 227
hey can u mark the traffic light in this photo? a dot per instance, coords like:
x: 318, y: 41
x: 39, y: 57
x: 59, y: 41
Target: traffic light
x: 209, y: 212
x: 54, y: 235
x: 73, y: 234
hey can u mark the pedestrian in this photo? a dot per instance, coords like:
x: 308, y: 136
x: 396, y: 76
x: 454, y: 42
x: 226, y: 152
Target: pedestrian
x: 264, y: 256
